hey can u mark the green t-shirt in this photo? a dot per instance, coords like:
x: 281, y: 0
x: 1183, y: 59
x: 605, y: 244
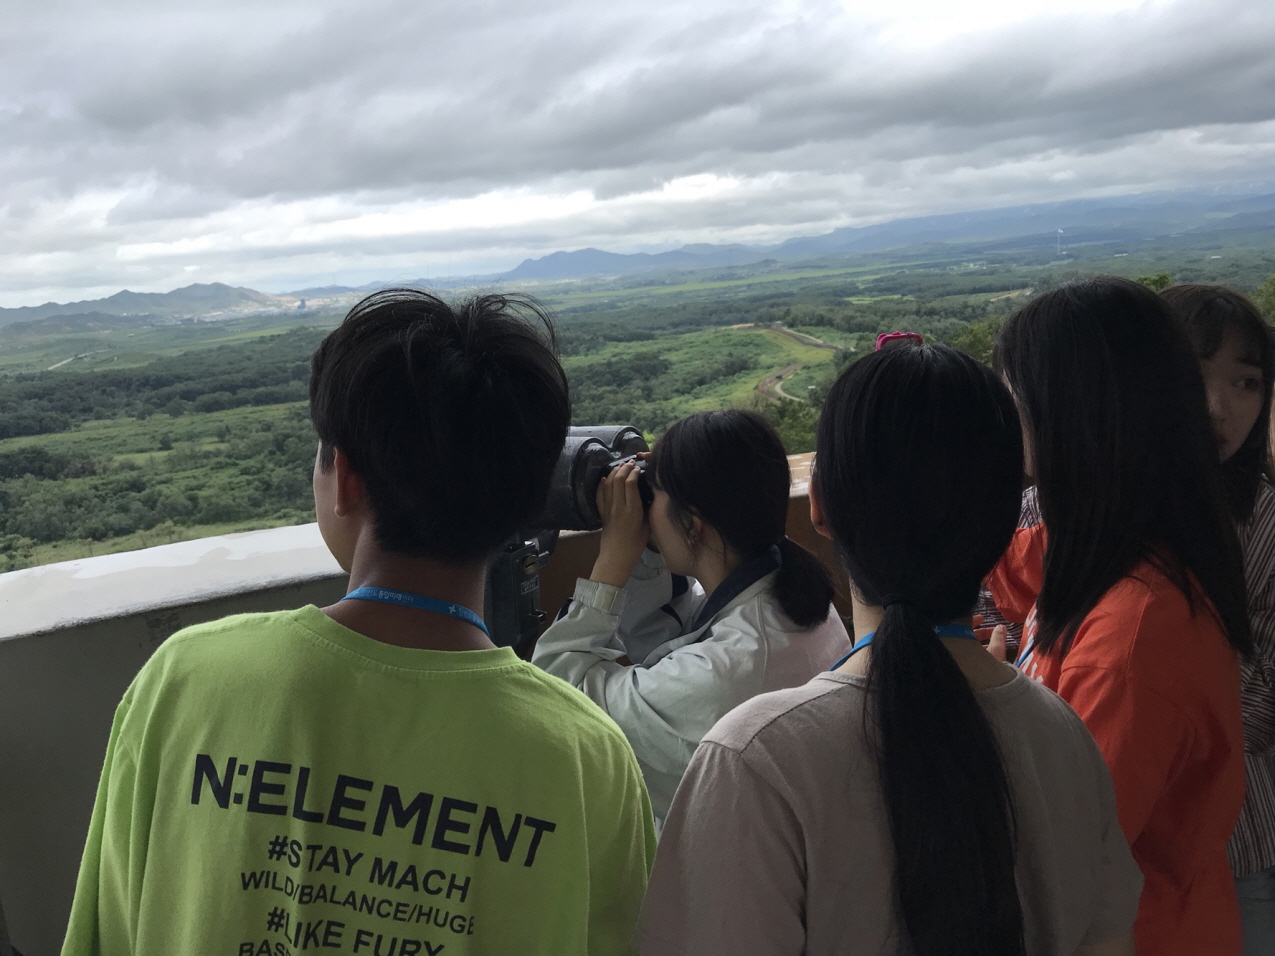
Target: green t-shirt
x: 277, y: 784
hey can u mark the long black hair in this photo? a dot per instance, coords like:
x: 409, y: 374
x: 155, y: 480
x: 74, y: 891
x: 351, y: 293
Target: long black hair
x: 729, y: 468
x: 918, y: 470
x: 1126, y: 464
x: 1210, y: 311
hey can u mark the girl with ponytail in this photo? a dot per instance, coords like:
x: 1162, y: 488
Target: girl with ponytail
x: 922, y: 798
x: 736, y: 607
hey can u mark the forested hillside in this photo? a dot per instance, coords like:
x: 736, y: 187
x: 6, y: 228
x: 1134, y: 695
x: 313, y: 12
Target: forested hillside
x: 148, y: 435
x: 267, y: 371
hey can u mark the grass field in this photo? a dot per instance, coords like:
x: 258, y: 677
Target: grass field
x: 766, y: 351
x: 566, y: 299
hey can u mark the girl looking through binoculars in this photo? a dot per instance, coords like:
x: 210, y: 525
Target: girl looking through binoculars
x: 700, y: 603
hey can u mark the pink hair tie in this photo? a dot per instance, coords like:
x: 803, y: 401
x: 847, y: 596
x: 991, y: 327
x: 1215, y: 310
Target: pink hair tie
x: 891, y: 338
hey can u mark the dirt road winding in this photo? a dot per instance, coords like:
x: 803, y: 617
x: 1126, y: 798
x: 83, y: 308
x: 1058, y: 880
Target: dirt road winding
x: 772, y: 386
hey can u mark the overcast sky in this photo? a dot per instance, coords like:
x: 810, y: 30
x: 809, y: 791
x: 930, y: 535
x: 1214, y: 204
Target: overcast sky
x: 146, y: 145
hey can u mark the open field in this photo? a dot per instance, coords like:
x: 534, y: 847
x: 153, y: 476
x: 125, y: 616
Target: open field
x: 652, y: 383
x: 569, y: 299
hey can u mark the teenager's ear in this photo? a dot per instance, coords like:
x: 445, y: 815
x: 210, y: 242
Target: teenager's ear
x: 350, y: 491
x: 817, y: 520
x: 695, y: 532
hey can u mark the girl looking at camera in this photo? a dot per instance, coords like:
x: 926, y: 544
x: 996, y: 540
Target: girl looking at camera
x: 1233, y: 345
x: 755, y: 614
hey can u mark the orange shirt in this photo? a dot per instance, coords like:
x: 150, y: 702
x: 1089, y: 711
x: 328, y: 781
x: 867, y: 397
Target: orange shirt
x: 1159, y: 689
x: 1019, y: 575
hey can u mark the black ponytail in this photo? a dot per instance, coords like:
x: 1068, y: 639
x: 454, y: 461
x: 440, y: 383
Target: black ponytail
x: 729, y: 468
x: 918, y: 471
x: 950, y: 808
x: 803, y: 586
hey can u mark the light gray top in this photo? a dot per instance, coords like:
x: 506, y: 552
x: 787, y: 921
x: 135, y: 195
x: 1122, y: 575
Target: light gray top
x: 777, y: 841
x: 695, y: 674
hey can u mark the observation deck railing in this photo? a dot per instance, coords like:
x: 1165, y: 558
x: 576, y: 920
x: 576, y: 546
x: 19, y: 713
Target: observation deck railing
x: 73, y: 635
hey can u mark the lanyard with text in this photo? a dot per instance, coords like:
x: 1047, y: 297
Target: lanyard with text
x: 420, y: 602
x: 942, y: 630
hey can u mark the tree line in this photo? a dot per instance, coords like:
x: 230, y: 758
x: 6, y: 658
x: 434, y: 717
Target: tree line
x: 272, y: 370
x: 260, y: 471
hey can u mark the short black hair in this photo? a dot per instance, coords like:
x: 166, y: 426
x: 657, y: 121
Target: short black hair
x: 453, y: 414
x: 1209, y: 311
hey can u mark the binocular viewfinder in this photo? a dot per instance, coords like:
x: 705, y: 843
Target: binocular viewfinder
x: 589, y: 455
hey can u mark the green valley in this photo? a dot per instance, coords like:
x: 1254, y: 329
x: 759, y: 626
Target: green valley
x: 120, y: 432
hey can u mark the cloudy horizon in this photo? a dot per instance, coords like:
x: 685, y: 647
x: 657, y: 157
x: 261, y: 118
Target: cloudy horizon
x: 280, y: 145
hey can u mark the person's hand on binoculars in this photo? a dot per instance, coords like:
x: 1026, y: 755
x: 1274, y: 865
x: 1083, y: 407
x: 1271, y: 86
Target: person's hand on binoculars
x: 624, y: 527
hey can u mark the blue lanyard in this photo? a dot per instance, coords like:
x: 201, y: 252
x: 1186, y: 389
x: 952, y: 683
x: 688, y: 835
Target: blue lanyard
x: 941, y: 630
x: 1028, y: 647
x: 419, y: 601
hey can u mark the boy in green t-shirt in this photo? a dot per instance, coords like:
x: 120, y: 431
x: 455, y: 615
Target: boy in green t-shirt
x: 376, y: 776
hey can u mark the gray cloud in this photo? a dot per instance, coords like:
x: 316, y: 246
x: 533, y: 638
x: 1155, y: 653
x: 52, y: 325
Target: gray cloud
x: 149, y: 144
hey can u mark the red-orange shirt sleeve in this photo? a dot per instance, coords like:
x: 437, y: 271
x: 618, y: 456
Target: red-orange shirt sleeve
x: 1020, y: 574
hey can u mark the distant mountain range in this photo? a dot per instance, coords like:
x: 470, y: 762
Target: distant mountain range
x: 584, y: 262
x: 1086, y: 221
x: 1127, y: 219
x: 194, y: 301
x: 1123, y: 219
x: 83, y: 322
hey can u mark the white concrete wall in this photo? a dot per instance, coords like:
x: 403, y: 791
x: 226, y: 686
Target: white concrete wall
x: 72, y: 636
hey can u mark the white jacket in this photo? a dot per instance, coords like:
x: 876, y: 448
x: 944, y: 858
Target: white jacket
x: 693, y: 659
